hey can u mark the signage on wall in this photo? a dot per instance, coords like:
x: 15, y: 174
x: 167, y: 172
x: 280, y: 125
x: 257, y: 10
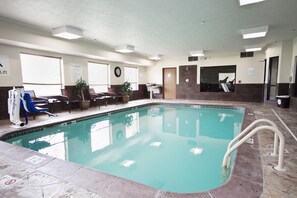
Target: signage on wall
x: 76, y: 72
x: 4, y: 66
x: 251, y: 70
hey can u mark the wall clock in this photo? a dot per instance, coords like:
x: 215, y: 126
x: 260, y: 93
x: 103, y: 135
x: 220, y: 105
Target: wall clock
x: 117, y: 72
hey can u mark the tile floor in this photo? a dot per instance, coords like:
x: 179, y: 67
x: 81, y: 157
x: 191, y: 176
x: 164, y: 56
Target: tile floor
x: 52, y: 177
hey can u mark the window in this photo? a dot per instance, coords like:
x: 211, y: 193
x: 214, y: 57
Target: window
x: 42, y: 74
x: 100, y: 135
x: 131, y: 75
x: 133, y: 126
x: 99, y: 78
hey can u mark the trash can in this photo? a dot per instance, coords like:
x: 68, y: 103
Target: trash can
x: 283, y: 101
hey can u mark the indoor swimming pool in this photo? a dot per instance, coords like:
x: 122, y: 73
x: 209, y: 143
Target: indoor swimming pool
x: 176, y: 148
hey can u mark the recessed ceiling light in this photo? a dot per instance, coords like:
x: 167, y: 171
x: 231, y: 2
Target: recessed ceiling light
x: 197, y: 53
x: 254, y: 32
x: 67, y: 32
x: 125, y: 48
x: 154, y: 57
x: 246, y: 2
x: 252, y: 48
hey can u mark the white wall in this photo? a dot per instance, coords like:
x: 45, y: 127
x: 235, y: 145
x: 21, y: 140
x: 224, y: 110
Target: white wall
x: 15, y: 77
x: 293, y: 63
x: 28, y: 37
x: 283, y: 50
x: 154, y: 73
x: 119, y: 80
x: 286, y: 61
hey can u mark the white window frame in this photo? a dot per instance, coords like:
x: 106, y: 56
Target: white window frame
x: 29, y: 84
x: 94, y: 85
x: 136, y: 83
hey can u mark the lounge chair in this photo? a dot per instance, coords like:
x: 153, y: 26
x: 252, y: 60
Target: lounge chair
x: 69, y: 98
x: 97, y: 97
x: 115, y: 95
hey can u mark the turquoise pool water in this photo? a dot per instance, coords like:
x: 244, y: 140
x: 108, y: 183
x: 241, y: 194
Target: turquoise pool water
x: 169, y: 147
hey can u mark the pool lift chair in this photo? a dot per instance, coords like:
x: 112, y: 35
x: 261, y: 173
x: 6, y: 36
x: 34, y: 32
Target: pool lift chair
x: 28, y: 105
x: 17, y: 100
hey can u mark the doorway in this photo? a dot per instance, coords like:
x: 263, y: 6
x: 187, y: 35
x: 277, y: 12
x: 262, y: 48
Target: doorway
x: 169, y: 83
x: 272, y: 78
x: 265, y: 65
x: 295, y: 90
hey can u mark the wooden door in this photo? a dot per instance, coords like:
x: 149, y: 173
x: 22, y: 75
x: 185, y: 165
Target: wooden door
x: 169, y: 83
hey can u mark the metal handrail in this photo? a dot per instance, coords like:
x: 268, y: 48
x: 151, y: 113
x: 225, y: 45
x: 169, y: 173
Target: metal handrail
x: 250, y: 127
x: 279, y: 167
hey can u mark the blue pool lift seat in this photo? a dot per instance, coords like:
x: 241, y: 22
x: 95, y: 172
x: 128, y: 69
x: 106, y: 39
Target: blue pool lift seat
x: 30, y: 107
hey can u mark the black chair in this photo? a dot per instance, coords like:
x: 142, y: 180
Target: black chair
x: 70, y: 98
x: 117, y: 96
x: 97, y: 97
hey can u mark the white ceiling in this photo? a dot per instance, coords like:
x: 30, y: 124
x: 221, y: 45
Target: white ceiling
x: 167, y: 27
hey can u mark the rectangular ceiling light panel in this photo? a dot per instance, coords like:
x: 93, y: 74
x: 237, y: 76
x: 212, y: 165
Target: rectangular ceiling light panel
x: 246, y: 2
x: 254, y: 32
x: 67, y: 32
x: 125, y: 48
x: 197, y: 53
x: 154, y: 57
x: 253, y: 48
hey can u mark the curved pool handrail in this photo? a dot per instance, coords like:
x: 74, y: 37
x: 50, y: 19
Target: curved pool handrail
x: 250, y: 127
x: 280, y: 166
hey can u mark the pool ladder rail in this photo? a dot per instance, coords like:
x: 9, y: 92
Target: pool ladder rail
x: 244, y: 135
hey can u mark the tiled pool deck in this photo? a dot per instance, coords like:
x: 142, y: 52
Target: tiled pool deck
x: 253, y: 175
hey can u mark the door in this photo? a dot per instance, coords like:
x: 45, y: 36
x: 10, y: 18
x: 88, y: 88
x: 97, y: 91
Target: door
x: 169, y: 83
x: 272, y: 79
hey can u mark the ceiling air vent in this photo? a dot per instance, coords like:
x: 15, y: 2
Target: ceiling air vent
x: 192, y: 58
x: 246, y: 54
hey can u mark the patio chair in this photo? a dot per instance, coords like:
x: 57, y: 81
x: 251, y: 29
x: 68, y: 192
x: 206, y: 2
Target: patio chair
x: 117, y: 96
x: 97, y: 97
x: 70, y: 98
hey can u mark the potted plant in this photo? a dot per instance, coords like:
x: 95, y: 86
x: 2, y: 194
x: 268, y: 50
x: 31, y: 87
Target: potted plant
x: 81, y: 85
x: 128, y: 120
x: 126, y: 91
